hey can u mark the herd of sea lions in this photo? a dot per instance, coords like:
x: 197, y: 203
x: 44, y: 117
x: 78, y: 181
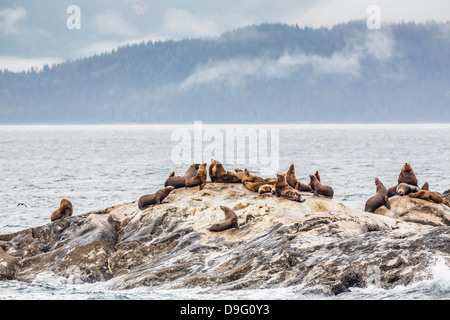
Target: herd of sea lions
x: 284, y: 185
x: 407, y: 185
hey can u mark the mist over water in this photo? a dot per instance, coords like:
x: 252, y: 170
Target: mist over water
x: 104, y: 165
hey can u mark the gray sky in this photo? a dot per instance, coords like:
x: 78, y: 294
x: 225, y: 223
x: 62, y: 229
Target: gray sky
x: 33, y: 33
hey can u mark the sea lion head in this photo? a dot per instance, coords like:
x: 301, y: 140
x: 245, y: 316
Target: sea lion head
x: 407, y: 167
x: 280, y: 178
x: 171, y: 188
x: 65, y: 202
x: 292, y: 169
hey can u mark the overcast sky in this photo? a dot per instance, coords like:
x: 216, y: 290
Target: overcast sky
x: 33, y: 33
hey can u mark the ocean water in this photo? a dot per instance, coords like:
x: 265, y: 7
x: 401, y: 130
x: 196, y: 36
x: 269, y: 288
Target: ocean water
x: 96, y: 166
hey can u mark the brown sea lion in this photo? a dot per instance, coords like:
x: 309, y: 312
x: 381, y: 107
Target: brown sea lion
x: 283, y: 189
x: 65, y: 210
x: 407, y: 175
x: 230, y: 177
x: 199, y: 179
x: 265, y: 188
x: 426, y: 186
x: 219, y: 171
x: 429, y: 196
x: 156, y: 198
x: 319, y: 188
x: 239, y: 173
x: 392, y: 191
x: 404, y: 189
x: 379, y: 199
x: 212, y: 170
x: 291, y: 179
x: 230, y: 221
x: 247, y: 176
x: 317, y: 176
x: 254, y: 186
x: 222, y: 175
x: 180, y: 181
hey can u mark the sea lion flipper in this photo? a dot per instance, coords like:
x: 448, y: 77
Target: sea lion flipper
x: 387, y: 203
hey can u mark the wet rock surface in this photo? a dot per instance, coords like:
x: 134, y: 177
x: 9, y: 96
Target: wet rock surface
x: 320, y: 245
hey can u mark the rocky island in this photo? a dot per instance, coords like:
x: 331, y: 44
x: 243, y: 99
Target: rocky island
x: 320, y: 245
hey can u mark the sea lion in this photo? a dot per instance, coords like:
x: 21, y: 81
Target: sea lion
x: 392, y: 191
x: 199, y: 179
x: 283, y: 189
x: 221, y: 175
x: 426, y: 186
x: 212, y: 170
x: 317, y: 176
x: 254, y: 186
x: 319, y: 188
x: 219, y: 171
x: 230, y: 177
x: 265, y: 188
x: 403, y: 189
x: 65, y: 210
x: 247, y: 176
x: 379, y: 199
x: 180, y: 181
x: 407, y: 175
x: 230, y: 221
x: 156, y: 198
x: 291, y: 179
x: 429, y: 196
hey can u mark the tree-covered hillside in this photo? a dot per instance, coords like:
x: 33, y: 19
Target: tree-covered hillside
x: 265, y: 73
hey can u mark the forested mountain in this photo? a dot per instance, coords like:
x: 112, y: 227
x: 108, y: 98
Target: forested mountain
x: 265, y: 73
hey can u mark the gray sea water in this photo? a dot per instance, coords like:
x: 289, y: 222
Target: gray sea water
x: 96, y: 166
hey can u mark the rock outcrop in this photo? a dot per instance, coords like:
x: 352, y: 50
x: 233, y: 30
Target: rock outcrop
x: 417, y: 210
x: 320, y: 245
x: 446, y: 195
